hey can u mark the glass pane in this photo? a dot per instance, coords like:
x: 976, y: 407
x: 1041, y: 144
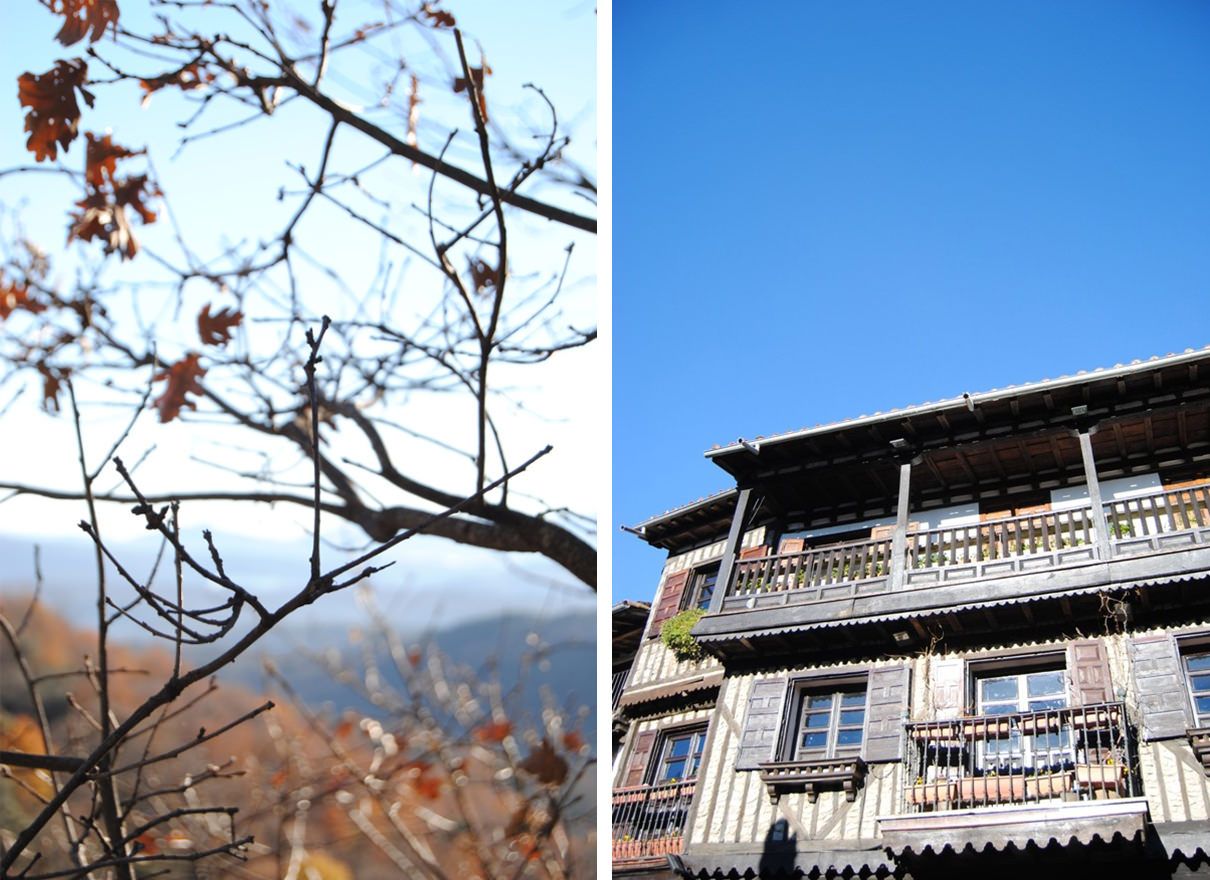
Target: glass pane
x: 1000, y: 689
x: 699, y: 742
x: 679, y: 747
x: 1201, y: 682
x: 814, y: 740
x: 1041, y: 684
x: 820, y: 702
x: 852, y: 716
x: 1203, y: 705
x: 1198, y: 662
x: 674, y: 770
x: 849, y: 737
x: 1052, y: 703
x: 857, y: 699
x: 818, y: 719
x: 999, y: 709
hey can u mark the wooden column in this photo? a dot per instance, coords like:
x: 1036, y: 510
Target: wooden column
x: 1094, y: 493
x: 899, y: 538
x: 726, y: 568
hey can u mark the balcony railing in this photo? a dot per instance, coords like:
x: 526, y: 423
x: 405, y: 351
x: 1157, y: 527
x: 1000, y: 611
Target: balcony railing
x: 812, y: 570
x: 649, y: 820
x: 1084, y: 753
x: 1047, y: 539
x: 619, y: 685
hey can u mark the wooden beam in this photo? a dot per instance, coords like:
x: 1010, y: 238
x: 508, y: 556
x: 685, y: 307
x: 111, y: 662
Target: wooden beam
x: 899, y: 539
x: 726, y: 567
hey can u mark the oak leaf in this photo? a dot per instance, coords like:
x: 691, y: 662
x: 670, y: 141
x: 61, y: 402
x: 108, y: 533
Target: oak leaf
x: 573, y: 741
x: 483, y: 275
x: 101, y: 159
x: 190, y: 77
x: 53, y: 119
x: 147, y: 845
x: 477, y: 75
x: 215, y: 329
x: 493, y: 731
x: 52, y: 382
x: 439, y: 17
x: 182, y: 378
x: 102, y: 214
x: 545, y: 764
x: 84, y: 16
x: 14, y: 296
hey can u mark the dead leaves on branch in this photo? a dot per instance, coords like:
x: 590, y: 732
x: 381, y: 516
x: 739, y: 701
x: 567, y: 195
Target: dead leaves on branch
x: 183, y: 379
x: 545, y: 764
x: 101, y: 159
x: 14, y: 297
x: 190, y: 77
x: 102, y: 214
x: 53, y: 119
x: 437, y: 17
x: 476, y: 78
x: 215, y: 329
x: 84, y: 18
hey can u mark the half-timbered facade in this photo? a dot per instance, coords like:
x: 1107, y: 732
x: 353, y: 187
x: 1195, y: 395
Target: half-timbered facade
x: 972, y: 635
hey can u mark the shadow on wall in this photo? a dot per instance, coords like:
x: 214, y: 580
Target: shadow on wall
x: 780, y: 853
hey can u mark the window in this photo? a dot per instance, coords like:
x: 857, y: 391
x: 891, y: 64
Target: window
x: 829, y: 723
x: 1197, y: 674
x: 679, y: 756
x: 701, y: 589
x: 1011, y: 692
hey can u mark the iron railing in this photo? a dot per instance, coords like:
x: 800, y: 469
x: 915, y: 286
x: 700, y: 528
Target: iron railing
x: 649, y: 820
x: 1084, y: 753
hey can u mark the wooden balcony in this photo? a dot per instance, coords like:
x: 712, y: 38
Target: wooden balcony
x: 1153, y: 538
x: 1059, y: 755
x: 649, y: 821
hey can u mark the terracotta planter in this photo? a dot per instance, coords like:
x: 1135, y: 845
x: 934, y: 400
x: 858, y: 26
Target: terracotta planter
x: 991, y: 789
x: 1032, y: 725
x: 1101, y: 776
x: 624, y: 850
x: 925, y: 793
x: 1048, y: 785
x: 1096, y: 719
x: 943, y: 731
x: 990, y: 728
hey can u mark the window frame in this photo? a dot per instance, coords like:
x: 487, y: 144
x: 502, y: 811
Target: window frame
x: 691, y: 595
x: 1187, y: 646
x: 697, y: 733
x: 800, y: 689
x: 1030, y: 750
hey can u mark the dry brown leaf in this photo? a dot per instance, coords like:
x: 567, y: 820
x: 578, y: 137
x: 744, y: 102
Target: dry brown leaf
x: 101, y: 159
x: 438, y: 17
x: 216, y: 329
x: 493, y: 731
x: 84, y: 16
x: 477, y: 75
x: 182, y: 378
x: 483, y: 276
x: 545, y: 764
x: 573, y: 741
x: 14, y: 296
x: 190, y: 77
x: 53, y: 119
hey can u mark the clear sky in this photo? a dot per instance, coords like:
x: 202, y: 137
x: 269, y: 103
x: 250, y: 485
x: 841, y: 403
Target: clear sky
x: 827, y: 209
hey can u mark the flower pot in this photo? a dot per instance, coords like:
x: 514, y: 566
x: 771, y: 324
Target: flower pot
x: 1101, y: 776
x: 942, y: 731
x: 925, y: 793
x: 1096, y: 719
x: 1047, y: 785
x: 1033, y: 725
x: 986, y: 728
x: 991, y: 789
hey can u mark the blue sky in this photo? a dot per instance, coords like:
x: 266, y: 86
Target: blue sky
x: 828, y: 209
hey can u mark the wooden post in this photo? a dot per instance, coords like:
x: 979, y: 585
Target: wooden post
x: 726, y: 568
x: 899, y: 538
x: 1094, y: 493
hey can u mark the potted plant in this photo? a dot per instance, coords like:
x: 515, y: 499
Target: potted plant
x: 986, y: 728
x: 1048, y: 722
x: 1096, y: 718
x: 1109, y: 777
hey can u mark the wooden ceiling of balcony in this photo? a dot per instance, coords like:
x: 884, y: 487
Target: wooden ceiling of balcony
x: 1006, y: 443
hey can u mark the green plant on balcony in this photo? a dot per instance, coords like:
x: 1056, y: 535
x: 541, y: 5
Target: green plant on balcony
x: 1121, y: 529
x: 676, y: 636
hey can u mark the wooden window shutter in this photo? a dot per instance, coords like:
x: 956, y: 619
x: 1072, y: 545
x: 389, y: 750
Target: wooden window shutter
x: 754, y: 552
x: 792, y: 545
x: 1088, y: 669
x: 670, y: 600
x: 947, y: 683
x: 640, y: 757
x: 758, y: 739
x: 1159, y: 684
x: 887, y: 695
